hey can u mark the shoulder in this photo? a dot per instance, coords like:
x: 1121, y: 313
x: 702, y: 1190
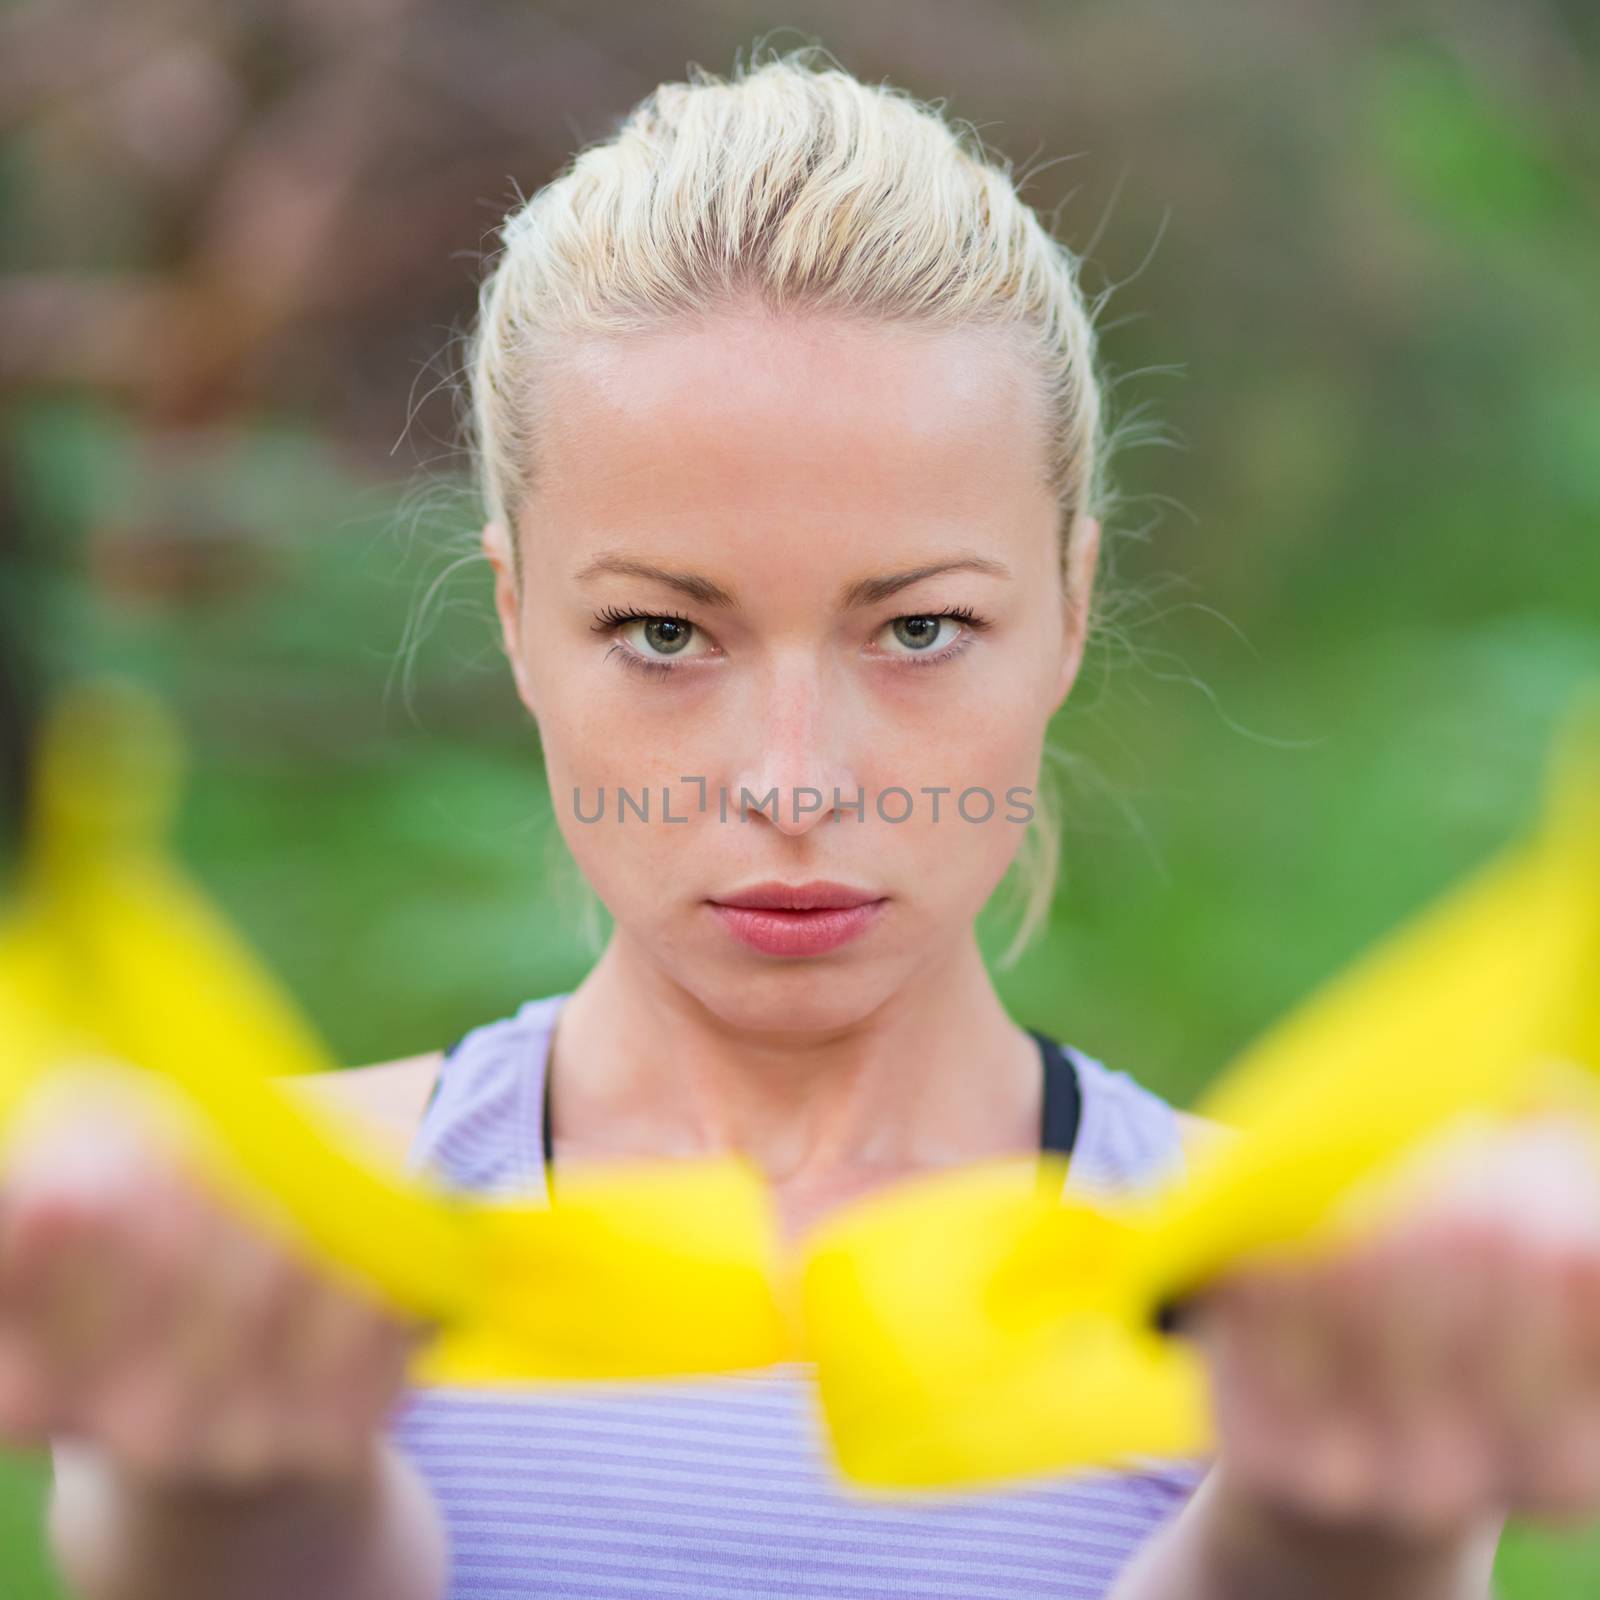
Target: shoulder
x: 1131, y: 1136
x: 386, y: 1098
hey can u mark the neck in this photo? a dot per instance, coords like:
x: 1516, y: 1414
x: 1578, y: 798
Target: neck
x: 936, y: 1074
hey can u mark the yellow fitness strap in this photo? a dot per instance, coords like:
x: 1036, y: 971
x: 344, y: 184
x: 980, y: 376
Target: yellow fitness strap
x: 965, y: 1328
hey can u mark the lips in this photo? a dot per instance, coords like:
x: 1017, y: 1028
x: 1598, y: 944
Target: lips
x: 818, y: 895
x: 806, y: 919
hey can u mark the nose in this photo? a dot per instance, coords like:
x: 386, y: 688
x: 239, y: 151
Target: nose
x: 796, y: 774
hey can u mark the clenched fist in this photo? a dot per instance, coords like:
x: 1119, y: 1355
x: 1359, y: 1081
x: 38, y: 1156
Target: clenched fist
x: 1443, y: 1369
x: 142, y: 1313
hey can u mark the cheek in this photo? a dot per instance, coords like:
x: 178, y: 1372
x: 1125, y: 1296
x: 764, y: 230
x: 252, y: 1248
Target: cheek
x: 954, y: 846
x: 992, y: 740
x: 605, y: 763
x: 982, y: 721
x: 600, y: 729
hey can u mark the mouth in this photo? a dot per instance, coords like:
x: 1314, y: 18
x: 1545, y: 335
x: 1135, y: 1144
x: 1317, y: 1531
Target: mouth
x: 806, y: 919
x: 818, y: 895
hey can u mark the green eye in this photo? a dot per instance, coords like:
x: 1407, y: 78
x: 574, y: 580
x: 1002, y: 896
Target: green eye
x: 922, y: 638
x: 917, y: 633
x: 666, y: 635
x: 663, y: 637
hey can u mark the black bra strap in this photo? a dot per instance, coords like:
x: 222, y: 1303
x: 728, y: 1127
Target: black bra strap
x: 1063, y: 1101
x: 545, y: 1132
x: 1063, y: 1096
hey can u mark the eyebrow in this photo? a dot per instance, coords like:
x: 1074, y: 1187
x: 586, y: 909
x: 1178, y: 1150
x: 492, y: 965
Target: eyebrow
x: 863, y: 592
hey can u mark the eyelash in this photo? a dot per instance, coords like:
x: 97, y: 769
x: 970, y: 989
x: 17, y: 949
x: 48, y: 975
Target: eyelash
x: 614, y: 618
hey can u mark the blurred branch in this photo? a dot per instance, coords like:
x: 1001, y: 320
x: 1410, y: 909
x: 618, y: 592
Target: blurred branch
x: 58, y: 50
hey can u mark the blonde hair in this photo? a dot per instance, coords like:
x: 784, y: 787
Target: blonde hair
x: 793, y: 182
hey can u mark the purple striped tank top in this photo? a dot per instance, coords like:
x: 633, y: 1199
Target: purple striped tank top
x: 722, y: 1485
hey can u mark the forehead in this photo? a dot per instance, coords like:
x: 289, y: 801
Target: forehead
x: 837, y: 433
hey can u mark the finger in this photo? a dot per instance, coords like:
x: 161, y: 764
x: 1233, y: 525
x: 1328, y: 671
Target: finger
x: 1527, y: 1395
x: 362, y: 1379
x: 384, y: 1368
x: 1220, y: 1325
x: 203, y: 1367
x: 249, y: 1431
x: 1336, y: 1466
x: 24, y: 1411
x: 127, y: 1406
x: 1271, y: 1369
x: 143, y: 1407
x: 1436, y: 1449
x: 1560, y: 1478
x: 319, y: 1364
x: 68, y: 1199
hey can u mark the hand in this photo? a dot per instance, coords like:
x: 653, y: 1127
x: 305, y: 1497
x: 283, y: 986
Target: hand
x: 140, y: 1312
x: 1441, y: 1370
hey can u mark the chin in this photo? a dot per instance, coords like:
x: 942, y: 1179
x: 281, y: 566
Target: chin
x: 780, y: 996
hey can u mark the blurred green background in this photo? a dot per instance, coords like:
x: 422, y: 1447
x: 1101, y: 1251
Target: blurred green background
x: 1354, y: 344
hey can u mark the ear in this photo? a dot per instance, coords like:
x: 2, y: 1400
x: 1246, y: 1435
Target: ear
x: 1083, y: 555
x: 508, y: 607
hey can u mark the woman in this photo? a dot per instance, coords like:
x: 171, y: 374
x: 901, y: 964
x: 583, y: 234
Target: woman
x: 791, y: 445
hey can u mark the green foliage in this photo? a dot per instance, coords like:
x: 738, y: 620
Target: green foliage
x: 29, y: 1571
x: 1474, y: 164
